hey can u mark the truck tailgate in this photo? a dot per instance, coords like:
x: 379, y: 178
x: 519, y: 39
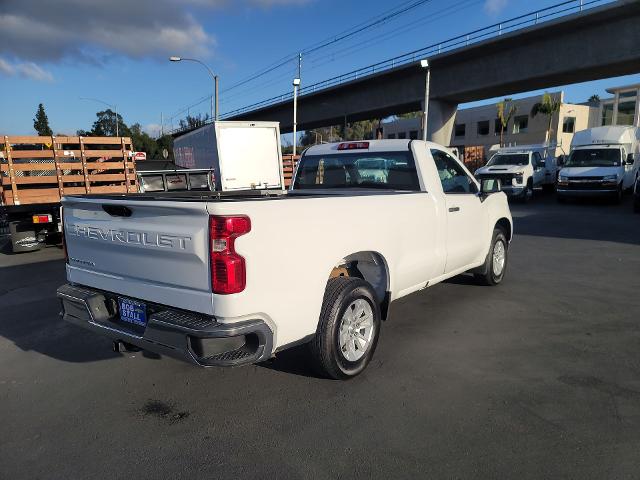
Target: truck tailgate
x: 155, y: 251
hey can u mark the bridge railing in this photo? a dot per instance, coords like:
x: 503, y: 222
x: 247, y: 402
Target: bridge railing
x: 492, y: 31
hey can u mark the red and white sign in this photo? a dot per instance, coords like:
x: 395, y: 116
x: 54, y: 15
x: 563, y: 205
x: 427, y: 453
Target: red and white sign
x: 137, y: 156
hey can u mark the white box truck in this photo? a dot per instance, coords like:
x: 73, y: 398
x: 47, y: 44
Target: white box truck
x: 239, y: 155
x: 603, y: 162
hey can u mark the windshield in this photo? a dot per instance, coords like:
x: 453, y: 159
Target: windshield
x: 509, y: 159
x: 595, y: 157
x: 383, y: 170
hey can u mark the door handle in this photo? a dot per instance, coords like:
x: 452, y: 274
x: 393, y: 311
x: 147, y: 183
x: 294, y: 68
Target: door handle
x: 454, y: 209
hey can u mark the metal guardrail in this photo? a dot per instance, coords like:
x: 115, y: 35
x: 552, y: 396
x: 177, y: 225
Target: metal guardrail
x: 492, y: 31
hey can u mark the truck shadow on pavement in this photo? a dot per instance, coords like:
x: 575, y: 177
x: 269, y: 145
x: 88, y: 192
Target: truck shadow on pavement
x: 295, y: 360
x: 29, y: 315
x: 584, y: 219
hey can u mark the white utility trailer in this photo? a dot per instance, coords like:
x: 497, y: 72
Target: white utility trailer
x: 239, y: 155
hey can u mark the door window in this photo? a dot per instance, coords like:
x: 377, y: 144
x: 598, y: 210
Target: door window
x: 452, y: 176
x: 537, y: 160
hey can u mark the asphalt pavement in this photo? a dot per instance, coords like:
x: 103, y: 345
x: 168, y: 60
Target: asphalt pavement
x: 537, y: 378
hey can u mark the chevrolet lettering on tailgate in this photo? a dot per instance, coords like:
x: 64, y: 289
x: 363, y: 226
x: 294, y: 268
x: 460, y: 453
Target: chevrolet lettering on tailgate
x: 130, y: 237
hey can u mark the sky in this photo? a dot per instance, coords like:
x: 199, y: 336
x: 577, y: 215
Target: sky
x: 116, y: 51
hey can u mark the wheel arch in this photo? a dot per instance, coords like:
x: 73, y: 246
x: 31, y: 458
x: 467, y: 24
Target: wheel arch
x: 370, y: 266
x: 505, y: 224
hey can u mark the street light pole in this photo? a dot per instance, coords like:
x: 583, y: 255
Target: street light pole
x: 296, y: 84
x: 214, y: 77
x: 115, y: 110
x: 425, y: 114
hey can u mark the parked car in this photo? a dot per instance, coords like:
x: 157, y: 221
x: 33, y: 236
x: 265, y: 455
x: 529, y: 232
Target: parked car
x: 521, y: 170
x: 230, y: 278
x: 603, y: 162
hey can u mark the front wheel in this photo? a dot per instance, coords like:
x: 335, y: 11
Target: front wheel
x: 495, y: 264
x: 348, y: 328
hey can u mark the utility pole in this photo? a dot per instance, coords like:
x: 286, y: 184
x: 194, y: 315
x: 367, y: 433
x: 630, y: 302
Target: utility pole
x: 425, y: 113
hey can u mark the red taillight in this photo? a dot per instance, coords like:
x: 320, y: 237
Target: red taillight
x: 353, y: 146
x: 42, y: 218
x: 228, y: 272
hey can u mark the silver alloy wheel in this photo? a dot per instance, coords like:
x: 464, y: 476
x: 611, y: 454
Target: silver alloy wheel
x: 356, y: 330
x: 499, y: 257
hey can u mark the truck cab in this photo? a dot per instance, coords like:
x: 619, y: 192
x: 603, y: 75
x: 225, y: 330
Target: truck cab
x: 520, y: 170
x: 603, y: 162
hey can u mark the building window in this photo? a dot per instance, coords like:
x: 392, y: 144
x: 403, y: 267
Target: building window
x: 483, y: 128
x: 460, y: 129
x: 569, y: 125
x: 391, y: 136
x: 627, y: 94
x: 413, y: 134
x: 520, y: 124
x: 607, y: 114
x: 497, y: 127
x: 626, y: 112
x: 402, y: 135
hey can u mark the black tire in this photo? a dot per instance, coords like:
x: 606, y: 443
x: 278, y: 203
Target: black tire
x: 549, y: 187
x: 326, y: 353
x: 617, y: 198
x: 527, y: 195
x: 488, y: 275
x: 23, y: 237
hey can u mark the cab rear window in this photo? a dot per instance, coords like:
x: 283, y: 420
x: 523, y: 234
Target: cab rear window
x: 379, y: 170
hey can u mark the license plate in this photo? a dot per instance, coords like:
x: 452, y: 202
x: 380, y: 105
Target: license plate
x: 132, y: 312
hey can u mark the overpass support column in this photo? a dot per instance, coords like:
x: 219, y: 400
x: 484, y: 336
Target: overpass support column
x: 442, y: 116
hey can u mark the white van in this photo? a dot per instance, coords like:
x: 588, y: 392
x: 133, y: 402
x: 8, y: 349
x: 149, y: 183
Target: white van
x: 603, y: 162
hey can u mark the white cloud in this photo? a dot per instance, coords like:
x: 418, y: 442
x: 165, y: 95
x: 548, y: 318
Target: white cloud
x: 494, y: 7
x: 90, y: 30
x: 153, y: 129
x: 26, y: 70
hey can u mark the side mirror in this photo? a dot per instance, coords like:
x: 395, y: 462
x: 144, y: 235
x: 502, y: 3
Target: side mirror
x: 630, y: 159
x: 542, y: 164
x: 489, y: 186
x: 560, y: 160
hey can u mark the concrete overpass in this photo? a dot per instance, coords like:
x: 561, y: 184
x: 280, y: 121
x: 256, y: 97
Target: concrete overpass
x: 598, y: 43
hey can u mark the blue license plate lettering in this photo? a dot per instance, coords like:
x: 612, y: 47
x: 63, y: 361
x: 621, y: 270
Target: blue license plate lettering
x: 133, y: 312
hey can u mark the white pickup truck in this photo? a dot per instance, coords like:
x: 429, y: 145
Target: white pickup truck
x: 521, y: 170
x: 229, y: 279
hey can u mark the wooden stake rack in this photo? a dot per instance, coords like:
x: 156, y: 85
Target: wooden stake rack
x: 43, y: 169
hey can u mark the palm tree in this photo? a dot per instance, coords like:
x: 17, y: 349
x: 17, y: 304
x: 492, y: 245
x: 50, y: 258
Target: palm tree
x: 506, y: 110
x: 547, y: 107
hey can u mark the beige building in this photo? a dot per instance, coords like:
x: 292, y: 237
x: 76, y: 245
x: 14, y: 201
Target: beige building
x: 479, y: 126
x: 623, y: 108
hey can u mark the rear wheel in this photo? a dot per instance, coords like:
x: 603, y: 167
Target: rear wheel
x: 495, y: 265
x: 348, y: 329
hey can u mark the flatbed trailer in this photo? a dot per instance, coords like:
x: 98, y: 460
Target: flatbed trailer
x: 36, y: 172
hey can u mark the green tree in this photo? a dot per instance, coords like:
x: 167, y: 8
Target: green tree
x: 41, y: 122
x: 506, y: 110
x: 192, y: 122
x: 105, y: 125
x: 595, y: 98
x: 548, y: 107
